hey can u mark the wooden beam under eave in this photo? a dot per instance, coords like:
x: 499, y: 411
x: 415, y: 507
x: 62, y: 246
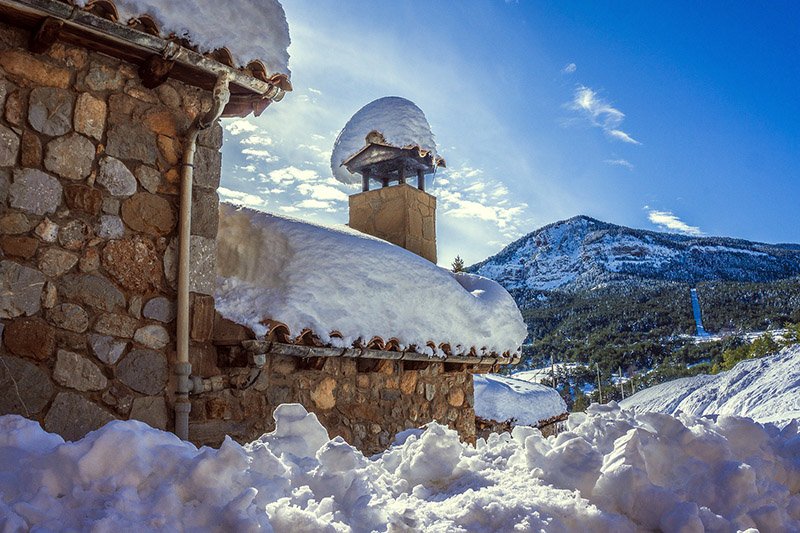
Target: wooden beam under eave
x: 46, y: 36
x: 155, y: 71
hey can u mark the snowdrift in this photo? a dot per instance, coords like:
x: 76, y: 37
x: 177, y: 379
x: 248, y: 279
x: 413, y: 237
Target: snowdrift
x: 327, y: 280
x: 766, y: 390
x: 502, y: 398
x: 612, y: 470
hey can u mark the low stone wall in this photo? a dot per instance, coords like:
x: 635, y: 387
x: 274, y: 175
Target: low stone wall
x: 88, y: 212
x: 366, y: 402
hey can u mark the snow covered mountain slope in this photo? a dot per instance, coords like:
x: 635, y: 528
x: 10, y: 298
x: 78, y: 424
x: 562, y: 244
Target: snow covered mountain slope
x: 766, y: 390
x: 584, y: 253
x: 502, y: 398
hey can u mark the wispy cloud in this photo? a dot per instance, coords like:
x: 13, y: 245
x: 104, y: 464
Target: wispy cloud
x: 669, y: 221
x: 600, y: 114
x: 239, y: 197
x: 237, y: 127
x: 569, y: 68
x: 619, y: 163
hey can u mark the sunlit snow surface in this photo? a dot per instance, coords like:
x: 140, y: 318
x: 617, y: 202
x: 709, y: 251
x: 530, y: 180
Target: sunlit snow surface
x: 611, y: 471
x: 766, y: 389
x: 503, y: 398
x: 327, y: 279
x: 400, y: 121
x: 249, y: 29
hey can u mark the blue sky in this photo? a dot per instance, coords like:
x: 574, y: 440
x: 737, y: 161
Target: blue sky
x: 675, y: 116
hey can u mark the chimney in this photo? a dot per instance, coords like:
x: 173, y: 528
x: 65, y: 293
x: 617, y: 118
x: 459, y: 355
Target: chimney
x: 401, y: 214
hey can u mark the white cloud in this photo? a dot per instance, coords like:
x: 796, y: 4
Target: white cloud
x: 291, y: 174
x: 622, y: 136
x: 240, y: 197
x: 620, y: 163
x: 259, y: 140
x: 310, y: 203
x: 237, y: 127
x: 669, y: 221
x: 258, y: 153
x: 569, y: 68
x: 600, y: 114
x: 321, y: 192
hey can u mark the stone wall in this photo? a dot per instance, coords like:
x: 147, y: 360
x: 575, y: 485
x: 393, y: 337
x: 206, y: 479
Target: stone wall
x: 400, y: 214
x: 89, y: 177
x: 366, y: 402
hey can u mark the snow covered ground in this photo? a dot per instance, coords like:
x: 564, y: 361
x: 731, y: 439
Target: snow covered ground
x: 502, y: 398
x: 766, y: 389
x: 612, y: 470
x: 327, y: 279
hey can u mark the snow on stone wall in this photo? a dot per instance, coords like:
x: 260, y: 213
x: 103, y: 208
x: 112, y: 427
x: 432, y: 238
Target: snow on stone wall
x: 400, y: 121
x: 502, y: 398
x: 611, y: 470
x: 309, y: 276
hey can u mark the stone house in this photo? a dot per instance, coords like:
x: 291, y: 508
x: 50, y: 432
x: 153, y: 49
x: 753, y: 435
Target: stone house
x: 109, y: 164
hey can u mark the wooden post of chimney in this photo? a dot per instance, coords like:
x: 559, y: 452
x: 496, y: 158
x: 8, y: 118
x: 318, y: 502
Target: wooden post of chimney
x: 365, y: 181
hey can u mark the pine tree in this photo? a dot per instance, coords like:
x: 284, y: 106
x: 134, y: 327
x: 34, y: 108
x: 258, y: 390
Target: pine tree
x: 458, y: 264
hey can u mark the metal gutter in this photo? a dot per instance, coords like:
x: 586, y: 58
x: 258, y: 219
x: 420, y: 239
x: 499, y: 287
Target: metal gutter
x: 294, y: 350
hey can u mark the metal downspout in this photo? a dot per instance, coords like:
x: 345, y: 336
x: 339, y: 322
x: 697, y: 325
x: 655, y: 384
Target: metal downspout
x: 183, y: 368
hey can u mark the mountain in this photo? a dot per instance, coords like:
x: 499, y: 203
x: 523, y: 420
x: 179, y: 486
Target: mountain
x: 598, y: 292
x: 583, y: 253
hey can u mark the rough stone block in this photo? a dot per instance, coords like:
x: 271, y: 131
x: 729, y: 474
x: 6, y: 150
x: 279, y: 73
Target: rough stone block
x: 72, y: 416
x: 50, y: 110
x: 207, y: 167
x: 35, y: 192
x: 27, y: 389
x: 83, y: 198
x: 70, y: 156
x: 144, y: 371
x: 107, y: 348
x: 202, y: 265
x: 148, y: 213
x: 70, y: 317
x: 18, y: 246
x: 20, y: 290
x: 161, y: 309
x: 116, y: 178
x: 116, y: 325
x: 92, y: 290
x: 152, y: 410
x: 31, y: 150
x: 76, y: 372
x: 33, y: 69
x: 9, y: 147
x: 30, y: 337
x: 128, y: 140
x: 54, y: 262
x: 152, y: 336
x: 90, y: 116
x: 202, y: 317
x: 205, y: 213
x: 74, y: 235
x: 133, y: 263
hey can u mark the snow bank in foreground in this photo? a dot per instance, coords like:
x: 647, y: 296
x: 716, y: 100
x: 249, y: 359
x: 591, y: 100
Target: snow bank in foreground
x: 249, y: 29
x: 502, y: 398
x: 400, y: 121
x: 308, y: 276
x: 767, y: 390
x: 611, y: 471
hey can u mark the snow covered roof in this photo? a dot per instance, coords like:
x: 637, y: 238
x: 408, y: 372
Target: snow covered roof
x: 293, y: 281
x: 766, y: 390
x: 241, y: 33
x: 193, y: 42
x: 503, y: 398
x: 400, y: 122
